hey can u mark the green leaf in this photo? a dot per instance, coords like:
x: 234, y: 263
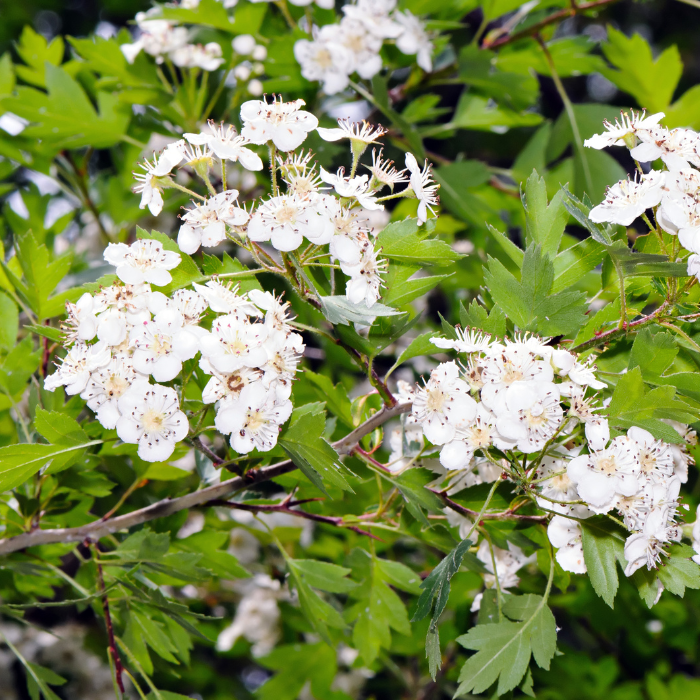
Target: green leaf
x: 407, y: 242
x: 59, y: 428
x: 412, y: 485
x: 19, y: 365
x: 212, y: 546
x: 246, y: 19
x: 230, y: 270
x: 36, y: 52
x: 420, y: 345
x: 338, y: 310
x: 65, y: 116
x: 297, y: 665
x: 378, y: 611
x: 317, y: 611
x: 603, y: 546
x: 476, y: 316
x: 580, y: 210
x: 650, y: 81
x: 679, y: 571
x: 529, y: 303
x: 304, y: 443
x: 480, y: 114
x: 545, y: 223
x: 652, y: 353
x: 9, y: 322
x: 510, y: 249
x: 632, y: 405
x: 572, y: 264
x: 323, y: 575
x: 335, y: 396
x: 19, y: 462
x: 436, y: 585
x: 504, y: 648
x: 402, y: 289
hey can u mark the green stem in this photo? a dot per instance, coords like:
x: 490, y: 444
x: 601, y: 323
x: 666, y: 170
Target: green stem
x: 578, y: 142
x: 682, y: 333
x: 176, y: 186
x: 273, y: 169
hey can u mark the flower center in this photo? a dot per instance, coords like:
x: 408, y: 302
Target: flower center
x: 235, y: 383
x: 236, y: 346
x: 153, y: 421
x: 161, y: 345
x: 561, y: 482
x: 115, y: 386
x: 479, y: 437
x: 255, y: 421
x: 647, y: 461
x: 607, y: 465
x: 286, y: 214
x: 436, y: 400
x: 324, y: 59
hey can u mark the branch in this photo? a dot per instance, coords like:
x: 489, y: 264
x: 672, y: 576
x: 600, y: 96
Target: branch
x: 505, y: 515
x: 552, y: 19
x: 101, y: 528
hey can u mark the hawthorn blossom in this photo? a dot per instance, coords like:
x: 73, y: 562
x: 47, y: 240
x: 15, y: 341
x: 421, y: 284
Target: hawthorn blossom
x: 107, y: 385
x: 234, y: 343
x: 253, y: 420
x: 224, y: 298
x: 677, y: 148
x: 161, y: 346
x: 365, y: 281
x: 361, y: 132
x: 443, y: 404
x: 357, y: 187
x: 158, y: 38
x: 655, y: 457
x: 78, y: 364
x: 602, y: 475
x: 555, y: 483
x: 421, y: 182
x: 226, y: 387
x: 283, y: 123
x: 477, y: 435
x: 151, y: 418
x: 565, y: 536
x: 225, y: 143
x: 205, y: 224
x: 375, y: 17
x: 324, y: 60
x: 150, y: 184
x: 143, y: 261
x: 414, y: 39
x: 467, y: 341
x: 286, y: 220
x: 617, y: 134
x: 628, y: 199
x: 384, y: 172
x: 81, y: 323
x: 208, y: 57
x: 362, y: 45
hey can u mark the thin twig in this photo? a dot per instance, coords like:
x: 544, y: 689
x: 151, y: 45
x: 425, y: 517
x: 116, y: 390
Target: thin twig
x: 99, y: 528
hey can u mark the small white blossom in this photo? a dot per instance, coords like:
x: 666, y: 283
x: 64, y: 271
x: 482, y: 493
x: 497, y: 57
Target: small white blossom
x: 226, y: 144
x: 143, y: 261
x: 283, y: 123
x: 423, y: 187
x: 414, y: 40
x: 74, y: 372
x: 628, y: 125
x: 152, y: 419
x: 628, y: 199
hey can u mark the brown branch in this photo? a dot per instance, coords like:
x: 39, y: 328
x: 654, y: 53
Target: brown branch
x: 505, y: 515
x: 602, y: 338
x: 99, y: 528
x: 552, y: 19
x: 286, y: 507
x: 112, y: 648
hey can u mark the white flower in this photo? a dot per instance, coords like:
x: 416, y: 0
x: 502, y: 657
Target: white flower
x: 224, y: 298
x: 425, y: 192
x: 467, y: 341
x: 155, y: 178
x: 363, y: 132
x: 655, y: 456
x: 205, y: 224
x: 161, y: 346
x: 365, y: 281
x: 694, y: 266
x: 384, y: 172
x: 277, y: 313
x: 602, y: 475
x: 507, y: 367
x: 627, y: 126
x: 628, y: 199
x: 533, y: 415
x: 357, y: 187
x: 226, y: 387
x: 283, y: 354
x: 257, y: 618
x: 326, y: 61
x: 151, y: 417
x: 374, y: 15
x: 364, y: 47
x: 696, y: 535
x: 677, y: 148
x: 478, y: 435
x: 283, y: 123
x: 508, y: 562
x: 443, y: 405
x: 414, y: 39
x: 286, y: 220
x: 74, y: 372
x: 107, y: 385
x: 555, y: 484
x: 143, y: 261
x: 81, y: 323
x: 254, y: 419
x: 119, y: 307
x: 683, y: 213
x: 191, y: 306
x: 234, y: 343
x: 301, y: 177
x: 158, y: 37
x: 565, y: 536
x: 226, y: 144
x: 208, y: 57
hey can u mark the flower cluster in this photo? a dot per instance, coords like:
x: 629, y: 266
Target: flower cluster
x: 673, y: 194
x: 164, y: 39
x: 537, y: 404
x: 300, y: 211
x: 126, y: 334
x: 352, y: 45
